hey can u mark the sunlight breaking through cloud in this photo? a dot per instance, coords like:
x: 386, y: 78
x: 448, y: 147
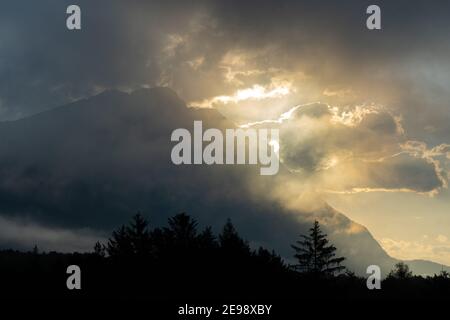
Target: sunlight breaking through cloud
x: 256, y: 92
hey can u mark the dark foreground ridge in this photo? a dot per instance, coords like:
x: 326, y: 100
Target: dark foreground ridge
x: 181, y: 263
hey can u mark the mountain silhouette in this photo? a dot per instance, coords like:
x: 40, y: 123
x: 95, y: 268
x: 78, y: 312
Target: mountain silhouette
x: 95, y: 162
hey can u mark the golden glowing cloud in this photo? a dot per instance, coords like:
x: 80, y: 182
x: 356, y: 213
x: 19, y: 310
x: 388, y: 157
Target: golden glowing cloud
x: 256, y: 92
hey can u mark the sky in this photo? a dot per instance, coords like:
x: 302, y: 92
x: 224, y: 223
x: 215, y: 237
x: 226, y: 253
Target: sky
x: 363, y: 114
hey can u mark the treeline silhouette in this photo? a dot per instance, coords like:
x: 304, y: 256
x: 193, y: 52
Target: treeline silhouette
x: 180, y: 262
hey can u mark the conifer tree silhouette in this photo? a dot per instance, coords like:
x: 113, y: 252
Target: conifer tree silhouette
x: 119, y: 244
x: 132, y: 240
x: 99, y: 250
x: 140, y: 236
x: 207, y: 240
x: 315, y: 256
x: 182, y: 231
x: 267, y: 257
x: 230, y: 240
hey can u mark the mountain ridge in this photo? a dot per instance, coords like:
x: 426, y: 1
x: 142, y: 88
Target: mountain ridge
x: 93, y: 163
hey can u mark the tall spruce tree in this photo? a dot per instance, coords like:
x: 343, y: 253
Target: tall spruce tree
x: 132, y: 240
x: 315, y: 255
x: 182, y: 231
x: 230, y: 241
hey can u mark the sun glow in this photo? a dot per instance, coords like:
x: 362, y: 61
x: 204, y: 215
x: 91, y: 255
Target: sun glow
x: 256, y: 92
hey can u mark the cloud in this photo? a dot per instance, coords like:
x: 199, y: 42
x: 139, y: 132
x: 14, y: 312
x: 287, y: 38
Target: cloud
x: 255, y: 93
x: 120, y: 45
x: 436, y: 156
x: 207, y: 49
x: 26, y: 234
x: 441, y: 238
x: 437, y: 249
x: 253, y: 65
x: 399, y: 173
x: 356, y: 149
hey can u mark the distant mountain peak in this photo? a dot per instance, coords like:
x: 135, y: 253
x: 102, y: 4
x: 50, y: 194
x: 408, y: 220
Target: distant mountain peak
x: 155, y: 94
x: 162, y: 91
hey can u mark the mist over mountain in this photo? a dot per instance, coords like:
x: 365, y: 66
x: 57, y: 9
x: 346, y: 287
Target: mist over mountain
x: 72, y: 174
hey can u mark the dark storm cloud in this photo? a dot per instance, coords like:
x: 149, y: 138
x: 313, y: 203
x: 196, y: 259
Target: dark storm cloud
x: 329, y: 42
x: 124, y: 44
x: 42, y: 64
x: 341, y: 24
